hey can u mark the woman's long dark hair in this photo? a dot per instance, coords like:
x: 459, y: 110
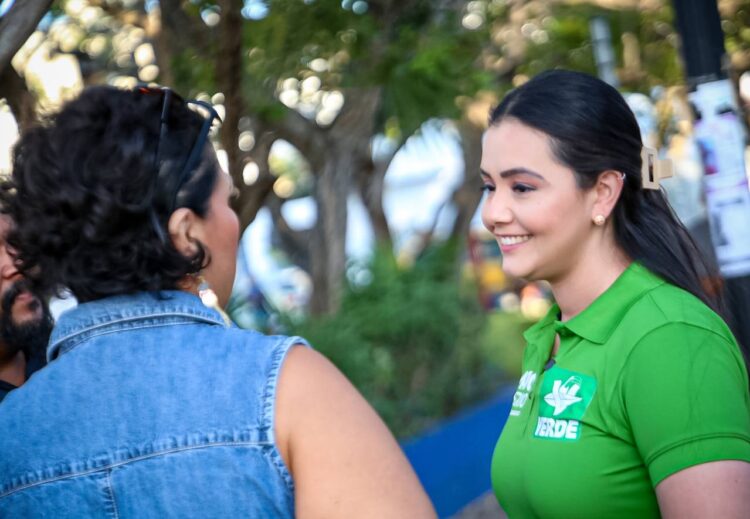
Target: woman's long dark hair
x: 592, y: 130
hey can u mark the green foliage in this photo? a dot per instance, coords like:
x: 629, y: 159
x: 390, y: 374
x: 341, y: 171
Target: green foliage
x: 737, y: 29
x: 422, y: 59
x: 503, y: 343
x: 192, y: 73
x: 568, y: 44
x: 411, y: 341
x: 426, y: 70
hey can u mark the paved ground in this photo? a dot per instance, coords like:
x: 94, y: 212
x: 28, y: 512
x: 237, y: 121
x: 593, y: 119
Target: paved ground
x: 485, y: 507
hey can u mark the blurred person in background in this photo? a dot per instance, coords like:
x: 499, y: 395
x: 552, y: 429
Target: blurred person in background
x: 634, y: 396
x: 153, y: 403
x: 25, y: 323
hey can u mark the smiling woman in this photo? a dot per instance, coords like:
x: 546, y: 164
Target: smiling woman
x: 634, y: 399
x: 534, y: 206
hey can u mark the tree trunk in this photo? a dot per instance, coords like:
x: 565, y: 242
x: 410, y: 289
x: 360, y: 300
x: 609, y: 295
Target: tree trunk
x: 347, y: 152
x: 328, y: 245
x: 229, y: 82
x: 468, y: 195
x: 21, y: 101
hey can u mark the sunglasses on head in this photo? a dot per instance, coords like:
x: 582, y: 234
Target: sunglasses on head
x: 197, y: 149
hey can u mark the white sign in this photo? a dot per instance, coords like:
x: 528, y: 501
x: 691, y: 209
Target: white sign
x: 721, y: 139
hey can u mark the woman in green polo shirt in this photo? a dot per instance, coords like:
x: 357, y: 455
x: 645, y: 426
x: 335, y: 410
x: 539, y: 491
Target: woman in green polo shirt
x: 633, y: 400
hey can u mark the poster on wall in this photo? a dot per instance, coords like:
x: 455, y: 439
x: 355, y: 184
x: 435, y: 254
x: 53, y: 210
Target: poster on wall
x: 721, y: 139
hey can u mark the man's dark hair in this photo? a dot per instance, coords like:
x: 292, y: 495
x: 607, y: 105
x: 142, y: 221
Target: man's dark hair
x: 592, y: 130
x: 30, y: 336
x: 91, y: 203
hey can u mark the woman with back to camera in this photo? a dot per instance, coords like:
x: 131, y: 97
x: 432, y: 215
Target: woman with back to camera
x: 634, y: 396
x: 153, y: 405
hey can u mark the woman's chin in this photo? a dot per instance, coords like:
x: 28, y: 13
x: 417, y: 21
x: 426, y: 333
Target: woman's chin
x: 518, y: 271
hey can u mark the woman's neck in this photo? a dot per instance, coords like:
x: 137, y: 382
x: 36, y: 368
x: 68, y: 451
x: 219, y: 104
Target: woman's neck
x: 591, y: 278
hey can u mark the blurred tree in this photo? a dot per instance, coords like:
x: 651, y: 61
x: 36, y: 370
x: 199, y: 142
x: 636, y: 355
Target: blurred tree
x: 328, y: 76
x: 16, y: 25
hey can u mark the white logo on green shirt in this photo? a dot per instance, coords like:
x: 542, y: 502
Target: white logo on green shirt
x: 563, y: 395
x: 521, y: 396
x: 567, y: 395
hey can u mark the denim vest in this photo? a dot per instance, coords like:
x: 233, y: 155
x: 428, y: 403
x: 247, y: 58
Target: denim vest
x: 150, y: 407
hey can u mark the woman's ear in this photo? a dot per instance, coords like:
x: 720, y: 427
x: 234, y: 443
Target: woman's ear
x: 607, y: 191
x: 182, y: 229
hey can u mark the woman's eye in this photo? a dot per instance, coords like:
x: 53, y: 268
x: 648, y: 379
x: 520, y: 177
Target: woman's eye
x: 522, y: 188
x: 487, y: 187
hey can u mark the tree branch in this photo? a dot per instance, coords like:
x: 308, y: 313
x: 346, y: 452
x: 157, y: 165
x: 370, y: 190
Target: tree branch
x: 252, y: 197
x: 302, y: 133
x: 181, y: 31
x: 21, y: 101
x: 294, y: 243
x: 17, y: 25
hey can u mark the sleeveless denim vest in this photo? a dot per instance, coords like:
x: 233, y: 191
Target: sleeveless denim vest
x: 150, y: 407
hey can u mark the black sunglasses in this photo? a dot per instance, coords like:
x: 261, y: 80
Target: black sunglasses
x: 197, y: 148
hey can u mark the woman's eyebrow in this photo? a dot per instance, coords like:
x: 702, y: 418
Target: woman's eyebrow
x: 519, y: 171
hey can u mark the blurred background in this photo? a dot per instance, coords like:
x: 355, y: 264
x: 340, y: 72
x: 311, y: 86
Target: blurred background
x: 353, y: 129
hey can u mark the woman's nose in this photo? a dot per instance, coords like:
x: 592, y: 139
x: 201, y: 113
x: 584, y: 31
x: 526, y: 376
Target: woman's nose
x: 496, y: 211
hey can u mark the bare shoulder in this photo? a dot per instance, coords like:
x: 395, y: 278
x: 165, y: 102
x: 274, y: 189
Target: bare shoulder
x: 344, y: 460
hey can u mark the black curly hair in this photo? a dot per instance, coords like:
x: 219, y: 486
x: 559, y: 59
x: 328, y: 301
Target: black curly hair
x: 91, y: 204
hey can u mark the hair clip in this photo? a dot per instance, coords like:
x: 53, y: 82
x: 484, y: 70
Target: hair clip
x: 654, y: 169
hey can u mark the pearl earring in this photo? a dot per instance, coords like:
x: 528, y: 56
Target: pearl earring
x: 210, y: 299
x: 599, y: 220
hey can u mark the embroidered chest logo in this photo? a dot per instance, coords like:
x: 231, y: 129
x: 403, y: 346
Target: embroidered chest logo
x: 566, y: 396
x: 521, y: 395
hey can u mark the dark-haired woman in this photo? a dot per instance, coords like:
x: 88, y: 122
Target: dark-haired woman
x: 153, y: 405
x: 633, y: 400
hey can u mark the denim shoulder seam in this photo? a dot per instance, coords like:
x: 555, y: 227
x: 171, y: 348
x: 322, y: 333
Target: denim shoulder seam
x: 111, y: 494
x: 86, y: 335
x: 96, y: 330
x: 110, y: 466
x: 269, y: 403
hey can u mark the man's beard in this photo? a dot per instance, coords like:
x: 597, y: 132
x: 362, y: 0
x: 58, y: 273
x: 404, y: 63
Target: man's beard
x: 31, y: 336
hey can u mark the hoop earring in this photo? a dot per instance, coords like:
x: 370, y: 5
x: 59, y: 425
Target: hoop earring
x: 599, y: 220
x: 210, y: 299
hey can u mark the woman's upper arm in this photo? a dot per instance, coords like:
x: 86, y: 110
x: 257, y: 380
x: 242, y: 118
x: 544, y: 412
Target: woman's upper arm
x: 685, y: 393
x: 344, y: 461
x: 716, y: 489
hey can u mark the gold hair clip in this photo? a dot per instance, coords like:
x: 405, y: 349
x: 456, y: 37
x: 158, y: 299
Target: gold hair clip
x: 654, y: 169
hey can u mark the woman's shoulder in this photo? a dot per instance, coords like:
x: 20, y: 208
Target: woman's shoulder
x: 678, y: 309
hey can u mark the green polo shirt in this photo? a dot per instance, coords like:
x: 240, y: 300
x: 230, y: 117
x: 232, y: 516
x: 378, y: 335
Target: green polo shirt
x: 647, y: 381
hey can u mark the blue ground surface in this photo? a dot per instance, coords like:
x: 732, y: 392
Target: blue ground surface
x: 453, y: 459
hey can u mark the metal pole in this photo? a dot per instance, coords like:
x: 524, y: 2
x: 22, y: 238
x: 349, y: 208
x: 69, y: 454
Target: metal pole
x: 604, y: 55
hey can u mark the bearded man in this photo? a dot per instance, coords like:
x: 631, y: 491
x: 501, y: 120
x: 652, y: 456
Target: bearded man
x: 25, y: 322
